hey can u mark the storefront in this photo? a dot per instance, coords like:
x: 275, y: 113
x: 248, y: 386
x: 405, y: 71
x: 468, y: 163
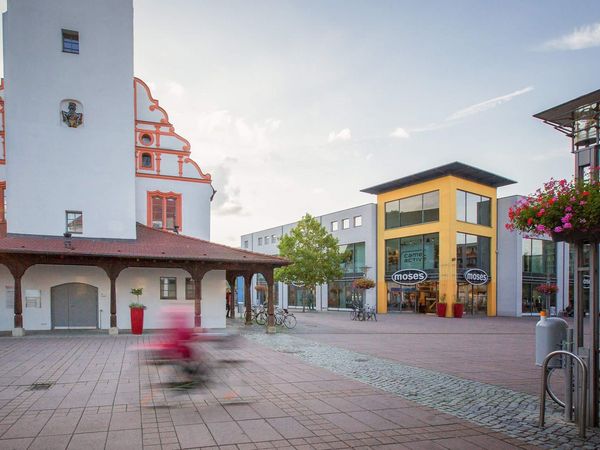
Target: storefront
x: 441, y: 222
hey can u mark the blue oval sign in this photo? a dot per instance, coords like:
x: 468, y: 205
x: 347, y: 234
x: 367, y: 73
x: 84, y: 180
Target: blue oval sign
x: 476, y: 277
x: 409, y: 276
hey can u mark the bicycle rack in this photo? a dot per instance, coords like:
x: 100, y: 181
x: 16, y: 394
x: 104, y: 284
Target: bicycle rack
x: 582, y: 401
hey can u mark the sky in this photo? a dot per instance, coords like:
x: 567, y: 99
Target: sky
x: 295, y: 106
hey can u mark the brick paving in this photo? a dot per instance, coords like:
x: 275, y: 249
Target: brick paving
x: 101, y: 395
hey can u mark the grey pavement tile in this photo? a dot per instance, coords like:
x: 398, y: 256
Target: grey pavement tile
x: 10, y: 444
x: 61, y: 425
x: 88, y: 441
x: 241, y: 412
x: 259, y: 430
x: 373, y: 420
x: 214, y: 413
x: 124, y: 440
x: 225, y: 433
x: 346, y: 422
x: 289, y: 428
x: 55, y: 442
x: 191, y: 436
x: 27, y: 427
x: 268, y: 409
x: 125, y: 421
x: 93, y: 422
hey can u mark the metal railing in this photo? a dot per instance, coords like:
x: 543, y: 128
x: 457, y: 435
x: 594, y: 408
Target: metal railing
x: 582, y: 397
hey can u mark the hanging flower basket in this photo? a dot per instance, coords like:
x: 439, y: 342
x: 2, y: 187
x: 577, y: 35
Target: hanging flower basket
x: 547, y: 289
x: 363, y: 283
x: 567, y: 211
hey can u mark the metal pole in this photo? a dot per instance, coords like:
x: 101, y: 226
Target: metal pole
x: 594, y: 310
x: 568, y: 346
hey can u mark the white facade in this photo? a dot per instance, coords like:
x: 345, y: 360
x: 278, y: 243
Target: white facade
x: 54, y: 168
x: 123, y: 156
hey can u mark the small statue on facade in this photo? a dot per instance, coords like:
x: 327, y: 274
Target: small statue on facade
x: 71, y: 117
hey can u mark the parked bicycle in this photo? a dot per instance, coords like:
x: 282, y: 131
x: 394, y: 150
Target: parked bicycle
x: 362, y: 314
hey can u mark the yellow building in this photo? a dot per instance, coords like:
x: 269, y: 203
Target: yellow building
x: 436, y: 239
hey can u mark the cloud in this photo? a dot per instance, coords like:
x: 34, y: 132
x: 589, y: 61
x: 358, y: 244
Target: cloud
x: 227, y: 200
x: 343, y: 135
x: 400, y: 133
x: 222, y: 126
x: 488, y: 104
x: 583, y: 37
x: 175, y: 89
x: 461, y: 114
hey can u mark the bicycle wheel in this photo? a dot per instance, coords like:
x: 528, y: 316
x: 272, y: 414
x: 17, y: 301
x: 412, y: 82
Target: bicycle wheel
x: 279, y: 319
x: 261, y: 318
x: 289, y: 321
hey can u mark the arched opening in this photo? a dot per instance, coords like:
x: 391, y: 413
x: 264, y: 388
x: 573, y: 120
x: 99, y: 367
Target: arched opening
x: 146, y: 162
x: 74, y: 306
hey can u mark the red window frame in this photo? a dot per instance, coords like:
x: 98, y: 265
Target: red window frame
x: 163, y: 197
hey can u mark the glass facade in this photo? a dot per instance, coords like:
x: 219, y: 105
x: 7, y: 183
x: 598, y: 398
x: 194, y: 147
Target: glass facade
x: 472, y: 252
x: 413, y: 252
x: 354, y: 260
x: 585, y: 278
x: 420, y: 298
x: 341, y: 295
x: 473, y: 208
x: 539, y: 267
x: 412, y: 210
x: 300, y: 296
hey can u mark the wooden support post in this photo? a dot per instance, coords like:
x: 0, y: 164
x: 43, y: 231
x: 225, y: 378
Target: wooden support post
x: 17, y: 270
x: 231, y: 277
x: 197, y: 271
x: 247, y: 297
x: 112, y: 271
x: 270, y: 302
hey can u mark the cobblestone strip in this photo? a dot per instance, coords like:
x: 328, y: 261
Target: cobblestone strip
x: 512, y: 413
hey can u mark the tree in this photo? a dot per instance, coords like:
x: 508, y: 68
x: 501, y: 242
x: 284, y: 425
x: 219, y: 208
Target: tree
x: 314, y: 253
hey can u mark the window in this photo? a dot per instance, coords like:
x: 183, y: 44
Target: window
x: 190, y: 289
x: 354, y: 259
x: 164, y: 211
x: 334, y: 225
x: 146, y: 161
x: 146, y: 139
x: 358, y: 221
x: 259, y: 241
x: 70, y: 41
x: 539, y: 257
x: 345, y: 224
x: 473, y: 208
x: 412, y: 210
x: 245, y: 244
x: 472, y: 252
x: 168, y: 288
x: 273, y: 239
x: 74, y: 222
x: 266, y: 240
x: 412, y: 252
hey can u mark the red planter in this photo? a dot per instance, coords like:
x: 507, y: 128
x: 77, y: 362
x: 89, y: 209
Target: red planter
x: 458, y: 309
x: 440, y: 309
x: 137, y: 320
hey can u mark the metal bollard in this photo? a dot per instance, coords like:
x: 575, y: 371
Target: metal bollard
x: 582, y: 400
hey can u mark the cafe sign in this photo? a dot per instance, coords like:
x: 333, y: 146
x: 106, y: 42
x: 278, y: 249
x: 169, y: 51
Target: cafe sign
x: 409, y: 277
x: 476, y: 277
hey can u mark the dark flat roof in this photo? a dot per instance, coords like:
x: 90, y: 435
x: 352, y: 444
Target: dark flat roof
x: 562, y: 115
x: 457, y: 169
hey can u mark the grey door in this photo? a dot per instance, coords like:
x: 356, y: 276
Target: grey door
x: 74, y: 305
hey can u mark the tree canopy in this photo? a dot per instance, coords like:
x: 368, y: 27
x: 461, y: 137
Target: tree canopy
x: 314, y: 253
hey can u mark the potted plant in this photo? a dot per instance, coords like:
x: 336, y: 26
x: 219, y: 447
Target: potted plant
x: 440, y: 307
x: 567, y: 211
x: 547, y: 289
x: 458, y: 308
x: 136, y: 310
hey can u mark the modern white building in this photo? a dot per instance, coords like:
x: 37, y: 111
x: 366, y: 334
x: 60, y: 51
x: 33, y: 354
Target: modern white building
x: 356, y: 230
x: 101, y: 193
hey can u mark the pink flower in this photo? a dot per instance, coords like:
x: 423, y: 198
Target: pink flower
x: 540, y: 228
x: 581, y: 203
x: 566, y: 218
x: 567, y: 226
x: 557, y: 229
x: 568, y: 209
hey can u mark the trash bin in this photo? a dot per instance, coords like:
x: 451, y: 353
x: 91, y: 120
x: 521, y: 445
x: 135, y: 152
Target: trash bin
x: 550, y: 332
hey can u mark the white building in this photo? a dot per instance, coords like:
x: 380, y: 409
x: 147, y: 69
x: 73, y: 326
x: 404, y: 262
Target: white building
x: 99, y: 187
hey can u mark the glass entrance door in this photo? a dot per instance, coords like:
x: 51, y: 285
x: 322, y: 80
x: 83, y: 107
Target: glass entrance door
x: 473, y: 297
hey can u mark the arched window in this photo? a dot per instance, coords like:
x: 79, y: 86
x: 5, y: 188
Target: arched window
x: 146, y: 160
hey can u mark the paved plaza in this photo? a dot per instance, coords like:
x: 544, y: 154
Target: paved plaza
x: 331, y: 383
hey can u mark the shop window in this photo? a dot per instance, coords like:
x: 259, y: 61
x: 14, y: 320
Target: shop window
x: 334, y: 225
x: 70, y: 41
x: 74, y: 221
x: 472, y: 252
x: 358, y: 221
x: 190, y: 289
x: 473, y: 208
x: 164, y: 211
x: 341, y: 295
x: 168, y: 288
x: 414, y: 210
x: 412, y: 252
